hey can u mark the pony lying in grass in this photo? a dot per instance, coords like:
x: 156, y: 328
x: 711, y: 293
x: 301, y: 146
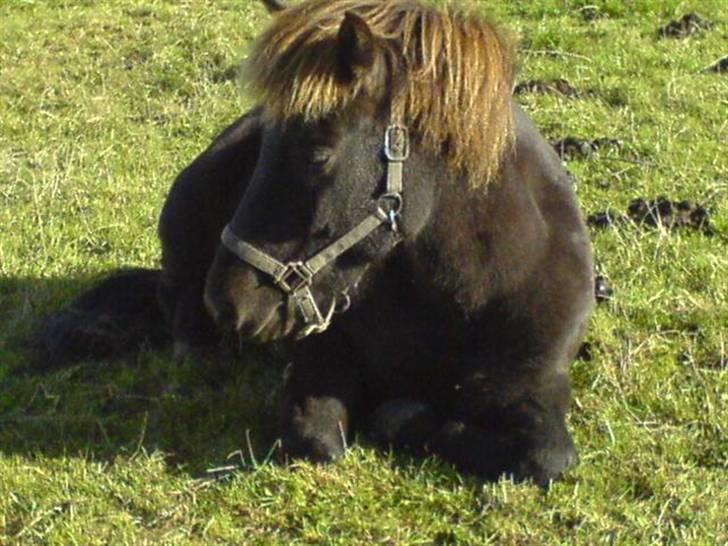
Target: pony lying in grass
x: 393, y: 213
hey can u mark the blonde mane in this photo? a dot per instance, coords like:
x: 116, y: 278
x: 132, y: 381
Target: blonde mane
x: 455, y: 70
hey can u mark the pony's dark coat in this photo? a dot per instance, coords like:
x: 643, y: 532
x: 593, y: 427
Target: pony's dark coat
x: 463, y: 325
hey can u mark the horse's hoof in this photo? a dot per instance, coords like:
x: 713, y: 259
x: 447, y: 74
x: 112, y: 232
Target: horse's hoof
x: 390, y: 418
x: 548, y: 464
x: 182, y: 350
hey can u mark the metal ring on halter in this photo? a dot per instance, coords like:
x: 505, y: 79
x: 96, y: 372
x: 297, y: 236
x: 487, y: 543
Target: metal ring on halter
x: 346, y: 304
x: 388, y: 211
x: 395, y: 197
x: 391, y: 213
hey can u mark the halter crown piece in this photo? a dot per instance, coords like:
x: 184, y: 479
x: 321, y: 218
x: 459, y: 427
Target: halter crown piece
x: 295, y: 278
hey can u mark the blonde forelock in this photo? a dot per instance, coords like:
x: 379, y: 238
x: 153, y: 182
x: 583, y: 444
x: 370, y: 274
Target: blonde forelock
x: 456, y: 71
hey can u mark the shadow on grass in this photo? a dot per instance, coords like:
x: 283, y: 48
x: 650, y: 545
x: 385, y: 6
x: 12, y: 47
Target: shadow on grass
x: 196, y: 411
x: 206, y: 411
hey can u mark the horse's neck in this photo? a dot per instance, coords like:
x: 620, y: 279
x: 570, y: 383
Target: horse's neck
x: 479, y: 244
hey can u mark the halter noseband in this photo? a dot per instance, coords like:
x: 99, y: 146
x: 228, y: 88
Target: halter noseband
x: 295, y: 278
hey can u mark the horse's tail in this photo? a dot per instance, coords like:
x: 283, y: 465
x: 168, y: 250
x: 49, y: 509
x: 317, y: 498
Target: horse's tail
x: 118, y: 315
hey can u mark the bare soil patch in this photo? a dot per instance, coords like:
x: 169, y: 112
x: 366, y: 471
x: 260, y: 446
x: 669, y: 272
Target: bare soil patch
x: 687, y: 25
x: 660, y: 211
x: 603, y: 290
x: 721, y: 65
x: 553, y: 87
x: 579, y: 148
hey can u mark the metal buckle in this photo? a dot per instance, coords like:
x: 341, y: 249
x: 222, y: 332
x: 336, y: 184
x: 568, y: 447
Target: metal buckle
x: 396, y: 143
x: 294, y: 277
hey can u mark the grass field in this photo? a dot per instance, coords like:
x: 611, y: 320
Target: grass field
x: 103, y: 102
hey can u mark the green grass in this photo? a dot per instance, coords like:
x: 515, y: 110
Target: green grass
x: 102, y: 103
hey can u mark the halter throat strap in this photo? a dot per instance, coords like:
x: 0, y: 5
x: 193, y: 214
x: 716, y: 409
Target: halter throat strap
x: 295, y: 278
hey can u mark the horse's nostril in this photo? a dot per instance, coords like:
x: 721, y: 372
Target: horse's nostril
x: 226, y: 316
x: 323, y: 233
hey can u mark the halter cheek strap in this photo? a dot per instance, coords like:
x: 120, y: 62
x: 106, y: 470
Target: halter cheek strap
x: 295, y: 278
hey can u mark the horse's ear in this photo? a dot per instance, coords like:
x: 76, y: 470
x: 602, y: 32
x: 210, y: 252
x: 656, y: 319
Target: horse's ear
x: 274, y: 6
x: 357, y: 45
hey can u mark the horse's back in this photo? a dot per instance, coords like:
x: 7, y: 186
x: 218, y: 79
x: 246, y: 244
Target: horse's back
x: 564, y: 272
x: 204, y: 195
x: 541, y: 170
x: 543, y: 193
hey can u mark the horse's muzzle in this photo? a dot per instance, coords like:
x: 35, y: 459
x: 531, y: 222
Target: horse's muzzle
x: 239, y: 299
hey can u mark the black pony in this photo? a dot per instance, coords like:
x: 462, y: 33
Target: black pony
x: 393, y: 213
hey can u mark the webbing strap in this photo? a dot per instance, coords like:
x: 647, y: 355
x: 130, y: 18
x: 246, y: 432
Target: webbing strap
x: 341, y: 245
x: 278, y: 270
x: 248, y: 253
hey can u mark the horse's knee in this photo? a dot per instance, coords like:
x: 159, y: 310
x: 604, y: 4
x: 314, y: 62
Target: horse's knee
x: 315, y: 430
x: 192, y: 326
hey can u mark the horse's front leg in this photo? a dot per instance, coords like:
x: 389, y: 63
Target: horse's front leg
x: 510, y: 401
x: 525, y: 438
x: 321, y: 392
x: 191, y: 325
x: 515, y: 425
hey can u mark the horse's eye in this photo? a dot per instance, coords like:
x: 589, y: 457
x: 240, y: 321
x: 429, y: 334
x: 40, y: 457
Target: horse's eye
x: 319, y: 157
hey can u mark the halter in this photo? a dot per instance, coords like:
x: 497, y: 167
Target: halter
x: 295, y: 278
